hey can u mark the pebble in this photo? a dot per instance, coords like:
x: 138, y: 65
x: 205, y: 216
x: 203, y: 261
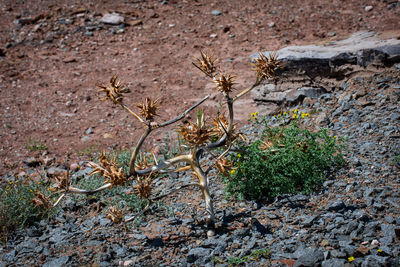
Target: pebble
x: 113, y: 19
x: 368, y: 8
x: 216, y: 12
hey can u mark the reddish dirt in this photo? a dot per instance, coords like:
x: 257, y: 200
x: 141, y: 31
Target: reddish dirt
x: 48, y: 89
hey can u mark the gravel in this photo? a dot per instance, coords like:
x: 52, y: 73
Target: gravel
x: 354, y: 217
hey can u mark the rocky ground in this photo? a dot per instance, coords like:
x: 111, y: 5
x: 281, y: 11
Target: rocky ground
x: 353, y: 220
x: 53, y: 53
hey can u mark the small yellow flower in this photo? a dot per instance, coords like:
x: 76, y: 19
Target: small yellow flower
x: 295, y: 115
x: 285, y: 113
x: 380, y: 250
x: 350, y: 259
x: 233, y: 172
x: 238, y: 155
x: 296, y: 110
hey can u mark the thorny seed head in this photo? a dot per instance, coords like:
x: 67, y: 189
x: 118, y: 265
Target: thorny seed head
x: 223, y: 166
x: 195, y: 134
x: 61, y: 182
x: 206, y: 63
x: 41, y: 201
x: 114, y: 91
x: 108, y: 168
x: 114, y: 215
x: 143, y: 188
x: 265, y: 67
x: 148, y: 109
x: 220, y: 127
x: 224, y: 83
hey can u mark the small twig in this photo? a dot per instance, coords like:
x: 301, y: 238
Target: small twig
x: 174, y: 190
x: 59, y: 199
x: 89, y: 192
x: 132, y: 113
x: 140, y: 213
x: 181, y: 116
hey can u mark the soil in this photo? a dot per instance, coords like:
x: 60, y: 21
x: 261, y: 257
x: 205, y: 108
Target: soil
x: 54, y: 53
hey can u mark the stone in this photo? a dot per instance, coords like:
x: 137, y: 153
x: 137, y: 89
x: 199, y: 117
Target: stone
x: 336, y: 205
x: 32, y: 162
x: 89, y: 130
x: 310, y: 257
x: 69, y: 60
x: 85, y: 138
x: 113, y: 19
x: 368, y: 8
x: 197, y: 253
x: 57, y: 262
x: 333, y: 262
x: 216, y: 12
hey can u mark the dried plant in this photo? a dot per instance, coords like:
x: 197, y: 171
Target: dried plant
x: 115, y: 215
x: 148, y: 109
x: 62, y: 183
x: 206, y: 63
x: 195, y: 134
x: 265, y: 66
x: 143, y: 188
x: 114, y: 91
x: 224, y: 83
x: 41, y: 201
x: 109, y: 170
x: 223, y: 166
x: 199, y: 137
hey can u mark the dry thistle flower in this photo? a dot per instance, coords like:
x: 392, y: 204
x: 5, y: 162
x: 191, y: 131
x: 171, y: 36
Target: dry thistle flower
x: 109, y: 170
x: 114, y: 91
x: 143, y: 187
x: 195, y: 134
x: 265, y: 67
x: 148, y: 109
x: 114, y: 215
x: 61, y: 182
x: 224, y: 83
x: 206, y: 63
x: 223, y: 166
x: 220, y: 126
x: 41, y: 201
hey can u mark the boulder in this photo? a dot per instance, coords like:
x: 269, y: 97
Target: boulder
x: 312, y: 70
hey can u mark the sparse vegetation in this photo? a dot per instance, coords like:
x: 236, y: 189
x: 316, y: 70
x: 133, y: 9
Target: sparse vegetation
x: 22, y: 202
x: 35, y: 145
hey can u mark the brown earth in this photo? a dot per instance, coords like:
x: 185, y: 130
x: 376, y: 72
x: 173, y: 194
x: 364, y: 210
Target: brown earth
x: 53, y: 53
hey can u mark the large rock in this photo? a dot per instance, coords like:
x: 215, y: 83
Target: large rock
x: 362, y: 48
x: 313, y: 70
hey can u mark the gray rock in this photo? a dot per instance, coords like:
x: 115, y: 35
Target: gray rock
x: 360, y: 48
x: 114, y: 19
x: 197, y: 253
x: 336, y: 205
x: 310, y: 257
x: 216, y: 12
x: 89, y: 130
x: 374, y: 260
x: 388, y: 233
x: 57, y: 262
x: 333, y: 263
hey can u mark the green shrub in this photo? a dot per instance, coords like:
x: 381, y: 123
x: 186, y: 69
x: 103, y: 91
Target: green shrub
x: 283, y: 160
